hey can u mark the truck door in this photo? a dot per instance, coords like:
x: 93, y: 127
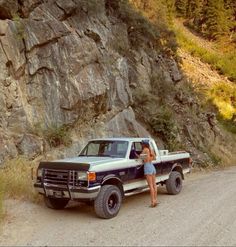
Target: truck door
x: 136, y: 170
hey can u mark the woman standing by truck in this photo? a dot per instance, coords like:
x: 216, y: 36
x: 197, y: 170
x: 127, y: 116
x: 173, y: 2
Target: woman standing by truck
x: 150, y: 171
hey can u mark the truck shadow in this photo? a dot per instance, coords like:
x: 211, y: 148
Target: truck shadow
x: 83, y: 210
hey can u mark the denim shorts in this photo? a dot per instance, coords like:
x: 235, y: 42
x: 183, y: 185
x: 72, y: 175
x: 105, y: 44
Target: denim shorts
x: 149, y: 169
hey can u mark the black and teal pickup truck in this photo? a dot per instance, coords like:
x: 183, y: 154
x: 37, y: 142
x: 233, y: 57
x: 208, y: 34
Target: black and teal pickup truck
x: 106, y: 171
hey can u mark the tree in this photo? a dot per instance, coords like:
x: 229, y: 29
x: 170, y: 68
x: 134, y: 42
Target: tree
x: 230, y: 6
x: 170, y: 5
x: 217, y: 23
x: 198, y: 14
x: 181, y: 7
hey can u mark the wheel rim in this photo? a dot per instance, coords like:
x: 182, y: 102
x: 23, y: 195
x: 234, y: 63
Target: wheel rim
x: 112, y: 202
x: 178, y: 183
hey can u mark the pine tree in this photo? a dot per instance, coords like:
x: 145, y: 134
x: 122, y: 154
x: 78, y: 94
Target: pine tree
x: 230, y: 6
x: 191, y: 6
x: 198, y: 15
x: 181, y: 7
x: 217, y: 22
x: 170, y: 5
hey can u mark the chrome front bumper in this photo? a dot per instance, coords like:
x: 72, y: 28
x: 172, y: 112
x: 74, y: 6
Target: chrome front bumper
x: 68, y: 193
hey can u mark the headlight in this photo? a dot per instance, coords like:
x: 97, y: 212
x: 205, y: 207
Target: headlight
x: 39, y: 172
x: 82, y: 176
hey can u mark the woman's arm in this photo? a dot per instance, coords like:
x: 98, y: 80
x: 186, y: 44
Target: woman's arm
x: 146, y: 152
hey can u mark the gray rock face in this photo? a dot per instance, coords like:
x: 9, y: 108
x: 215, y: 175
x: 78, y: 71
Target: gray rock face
x: 59, y: 65
x: 125, y: 124
x: 30, y: 145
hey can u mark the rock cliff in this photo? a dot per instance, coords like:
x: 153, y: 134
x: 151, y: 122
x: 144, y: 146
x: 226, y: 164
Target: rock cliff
x: 82, y: 65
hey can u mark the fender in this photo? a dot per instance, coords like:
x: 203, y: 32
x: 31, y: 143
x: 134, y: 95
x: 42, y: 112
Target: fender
x: 111, y: 176
x: 177, y: 167
x: 114, y: 180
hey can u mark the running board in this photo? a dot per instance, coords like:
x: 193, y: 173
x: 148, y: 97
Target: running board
x: 137, y: 191
x: 134, y: 192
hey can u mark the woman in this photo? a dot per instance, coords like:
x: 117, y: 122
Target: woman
x: 150, y: 171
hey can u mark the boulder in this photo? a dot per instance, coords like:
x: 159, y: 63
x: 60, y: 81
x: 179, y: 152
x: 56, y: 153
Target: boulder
x: 30, y: 146
x: 125, y: 124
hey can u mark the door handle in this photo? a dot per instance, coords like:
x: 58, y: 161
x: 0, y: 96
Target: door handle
x: 138, y: 167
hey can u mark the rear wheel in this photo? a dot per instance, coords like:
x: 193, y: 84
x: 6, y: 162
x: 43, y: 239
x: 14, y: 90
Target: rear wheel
x: 55, y: 203
x: 174, y: 183
x: 108, y: 202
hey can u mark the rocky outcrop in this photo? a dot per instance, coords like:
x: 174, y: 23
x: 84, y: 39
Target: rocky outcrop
x: 72, y: 63
x: 57, y: 65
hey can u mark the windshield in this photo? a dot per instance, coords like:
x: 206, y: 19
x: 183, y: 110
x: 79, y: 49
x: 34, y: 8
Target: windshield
x: 105, y: 148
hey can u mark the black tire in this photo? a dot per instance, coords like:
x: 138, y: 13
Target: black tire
x: 174, y: 183
x: 108, y: 202
x: 55, y: 203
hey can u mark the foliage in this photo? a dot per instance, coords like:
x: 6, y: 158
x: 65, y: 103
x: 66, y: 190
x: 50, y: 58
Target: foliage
x: 16, y: 179
x: 216, y: 160
x: 55, y: 135
x: 224, y: 63
x: 19, y: 27
x: 163, y: 124
x: 181, y: 7
x: 229, y: 125
x: 223, y: 96
x: 158, y: 116
x: 212, y: 18
x: 217, y: 23
x: 147, y: 23
x: 1, y: 198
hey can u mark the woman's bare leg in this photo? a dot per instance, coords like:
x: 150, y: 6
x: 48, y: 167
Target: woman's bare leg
x: 154, y: 187
x: 150, y: 184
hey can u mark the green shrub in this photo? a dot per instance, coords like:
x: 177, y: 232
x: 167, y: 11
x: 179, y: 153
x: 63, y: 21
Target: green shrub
x: 57, y: 136
x: 216, y: 160
x: 54, y: 135
x: 229, y: 125
x: 223, y: 96
x: 163, y: 124
x: 20, y: 28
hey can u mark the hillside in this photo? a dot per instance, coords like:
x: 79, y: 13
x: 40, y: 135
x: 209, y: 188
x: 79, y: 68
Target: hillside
x: 75, y: 70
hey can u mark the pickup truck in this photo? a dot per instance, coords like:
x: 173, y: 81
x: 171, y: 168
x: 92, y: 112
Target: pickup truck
x: 105, y: 171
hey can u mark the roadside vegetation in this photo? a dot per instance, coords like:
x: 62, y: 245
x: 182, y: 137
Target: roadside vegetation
x: 15, y: 180
x: 160, y: 119
x: 225, y: 63
x: 223, y: 96
x: 54, y: 135
x: 1, y: 199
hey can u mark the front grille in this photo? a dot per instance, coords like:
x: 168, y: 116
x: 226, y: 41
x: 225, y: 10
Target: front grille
x: 60, y: 177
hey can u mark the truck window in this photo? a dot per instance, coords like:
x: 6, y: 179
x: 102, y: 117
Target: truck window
x: 105, y: 148
x: 136, y: 148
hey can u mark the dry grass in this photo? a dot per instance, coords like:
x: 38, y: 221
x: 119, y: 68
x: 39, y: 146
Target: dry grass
x: 16, y: 180
x: 1, y: 200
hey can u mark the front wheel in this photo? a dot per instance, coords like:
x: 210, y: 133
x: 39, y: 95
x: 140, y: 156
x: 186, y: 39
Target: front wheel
x: 108, y: 202
x: 174, y: 183
x: 55, y: 203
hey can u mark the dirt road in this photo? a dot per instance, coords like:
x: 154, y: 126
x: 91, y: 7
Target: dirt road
x: 204, y: 213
